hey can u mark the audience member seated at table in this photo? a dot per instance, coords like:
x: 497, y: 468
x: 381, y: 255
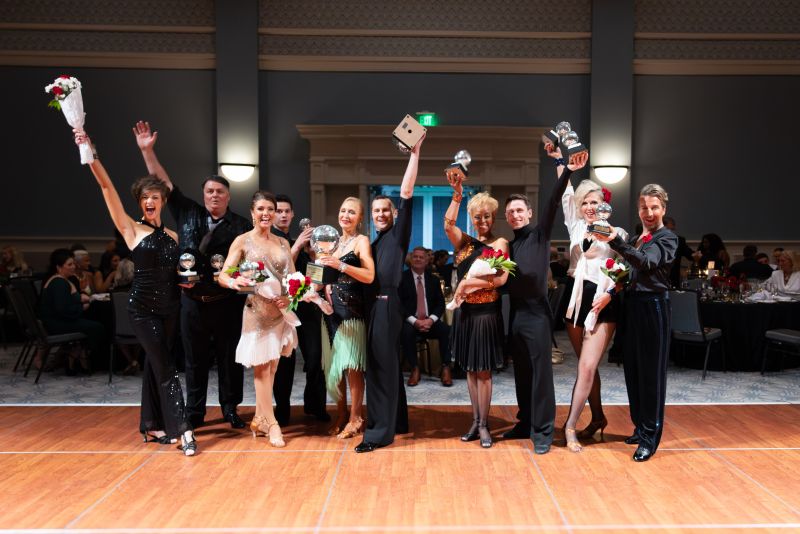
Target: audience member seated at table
x: 61, y: 308
x: 763, y: 259
x: 749, y: 267
x: 786, y: 279
x: 103, y: 278
x: 776, y: 252
x: 123, y: 276
x: 712, y: 249
x: 84, y: 272
x: 12, y: 261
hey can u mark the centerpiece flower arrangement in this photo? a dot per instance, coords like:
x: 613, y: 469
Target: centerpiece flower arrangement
x: 67, y: 97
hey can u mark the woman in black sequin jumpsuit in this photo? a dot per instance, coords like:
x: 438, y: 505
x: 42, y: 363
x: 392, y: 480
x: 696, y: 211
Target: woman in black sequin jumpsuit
x: 153, y: 304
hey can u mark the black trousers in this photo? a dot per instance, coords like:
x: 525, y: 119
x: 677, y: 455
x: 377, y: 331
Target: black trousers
x: 162, y: 397
x: 408, y: 341
x: 647, y: 339
x: 310, y: 340
x: 205, y: 325
x: 387, y: 410
x: 533, y: 371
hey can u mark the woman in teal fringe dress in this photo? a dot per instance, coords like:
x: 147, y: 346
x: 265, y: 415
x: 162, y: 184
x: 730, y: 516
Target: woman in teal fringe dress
x: 346, y: 356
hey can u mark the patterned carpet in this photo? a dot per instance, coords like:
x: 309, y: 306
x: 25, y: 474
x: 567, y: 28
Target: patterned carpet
x: 683, y: 386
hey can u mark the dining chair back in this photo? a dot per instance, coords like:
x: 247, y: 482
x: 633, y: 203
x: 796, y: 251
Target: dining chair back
x: 687, y: 327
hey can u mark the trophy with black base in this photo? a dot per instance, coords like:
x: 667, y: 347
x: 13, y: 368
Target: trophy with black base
x: 217, y: 261
x: 601, y: 225
x: 324, y: 241
x: 407, y: 134
x: 553, y: 137
x: 186, y: 275
x: 571, y: 146
x: 458, y: 171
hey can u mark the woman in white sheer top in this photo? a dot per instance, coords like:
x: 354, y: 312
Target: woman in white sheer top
x: 786, y: 279
x: 592, y: 312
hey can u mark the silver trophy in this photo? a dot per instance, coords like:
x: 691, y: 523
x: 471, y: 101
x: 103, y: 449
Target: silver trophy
x: 458, y: 171
x: 249, y: 270
x: 217, y: 261
x: 571, y: 146
x: 186, y: 275
x: 601, y: 225
x: 324, y: 241
x: 554, y: 136
x: 304, y: 223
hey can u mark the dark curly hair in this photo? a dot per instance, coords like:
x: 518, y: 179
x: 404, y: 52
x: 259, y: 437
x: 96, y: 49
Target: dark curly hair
x: 149, y: 183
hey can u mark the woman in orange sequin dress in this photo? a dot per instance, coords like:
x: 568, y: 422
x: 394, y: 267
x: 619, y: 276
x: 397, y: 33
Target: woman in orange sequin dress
x: 477, y: 333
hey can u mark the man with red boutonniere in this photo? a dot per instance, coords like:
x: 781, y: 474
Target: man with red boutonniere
x: 647, y: 318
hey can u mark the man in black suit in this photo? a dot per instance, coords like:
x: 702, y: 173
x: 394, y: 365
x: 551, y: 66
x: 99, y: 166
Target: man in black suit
x: 423, y: 307
x: 750, y: 267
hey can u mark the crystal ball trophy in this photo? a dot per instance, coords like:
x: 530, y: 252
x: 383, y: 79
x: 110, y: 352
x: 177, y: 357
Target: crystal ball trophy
x: 554, y: 136
x: 304, y: 223
x: 407, y: 134
x: 186, y: 275
x: 458, y: 171
x: 324, y: 241
x: 601, y: 225
x: 248, y: 270
x: 217, y: 261
x: 571, y: 146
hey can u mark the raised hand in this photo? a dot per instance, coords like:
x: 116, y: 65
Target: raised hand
x: 578, y: 161
x: 552, y: 150
x: 81, y: 136
x: 416, y: 148
x: 145, y: 137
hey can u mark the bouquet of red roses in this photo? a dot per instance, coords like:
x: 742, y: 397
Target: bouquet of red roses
x: 498, y: 260
x: 296, y: 284
x: 615, y: 270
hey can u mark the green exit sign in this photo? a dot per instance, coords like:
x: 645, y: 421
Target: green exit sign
x: 427, y: 119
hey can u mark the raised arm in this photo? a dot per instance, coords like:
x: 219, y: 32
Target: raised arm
x: 564, y: 172
x: 146, y: 140
x: 124, y: 224
x: 410, y: 177
x: 454, y: 233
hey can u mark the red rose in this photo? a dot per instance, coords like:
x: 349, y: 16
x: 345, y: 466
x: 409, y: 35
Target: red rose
x: 606, y: 195
x: 308, y: 281
x: 646, y: 238
x: 609, y: 263
x: 505, y: 255
x: 57, y: 90
x: 488, y: 252
x: 294, y: 285
x: 235, y: 274
x: 498, y: 253
x: 261, y: 266
x: 63, y: 77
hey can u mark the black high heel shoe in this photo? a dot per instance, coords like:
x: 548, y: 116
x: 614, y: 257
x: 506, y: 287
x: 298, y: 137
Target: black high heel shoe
x: 163, y: 440
x: 592, y: 428
x: 472, y: 433
x: 188, y: 446
x: 486, y: 437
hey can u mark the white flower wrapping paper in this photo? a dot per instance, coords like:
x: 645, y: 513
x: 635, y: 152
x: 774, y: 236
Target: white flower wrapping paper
x: 72, y: 107
x: 270, y: 289
x: 478, y: 268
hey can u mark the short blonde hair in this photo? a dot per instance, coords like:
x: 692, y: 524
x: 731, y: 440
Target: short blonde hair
x: 482, y: 200
x: 793, y: 257
x: 655, y: 190
x: 584, y: 188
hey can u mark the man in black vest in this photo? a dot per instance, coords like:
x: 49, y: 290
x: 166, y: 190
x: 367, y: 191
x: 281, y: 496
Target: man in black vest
x: 308, y: 333
x: 211, y: 316
x: 387, y: 411
x: 423, y: 308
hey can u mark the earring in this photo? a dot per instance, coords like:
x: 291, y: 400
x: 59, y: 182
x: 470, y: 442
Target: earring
x: 254, y: 222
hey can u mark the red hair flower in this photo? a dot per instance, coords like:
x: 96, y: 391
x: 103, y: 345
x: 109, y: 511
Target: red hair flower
x: 646, y: 238
x: 606, y: 195
x: 609, y: 263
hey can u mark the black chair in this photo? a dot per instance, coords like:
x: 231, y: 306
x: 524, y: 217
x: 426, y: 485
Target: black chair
x: 783, y: 340
x: 687, y: 328
x: 123, y: 329
x: 34, y: 328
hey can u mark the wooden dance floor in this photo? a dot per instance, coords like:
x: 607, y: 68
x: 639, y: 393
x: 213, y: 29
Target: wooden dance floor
x: 82, y: 469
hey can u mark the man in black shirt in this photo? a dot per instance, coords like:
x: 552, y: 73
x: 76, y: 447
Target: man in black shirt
x: 308, y: 333
x: 387, y: 411
x: 750, y: 267
x: 211, y: 316
x: 531, y: 320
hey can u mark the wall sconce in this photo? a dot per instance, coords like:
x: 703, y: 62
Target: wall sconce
x: 610, y: 174
x: 237, y: 172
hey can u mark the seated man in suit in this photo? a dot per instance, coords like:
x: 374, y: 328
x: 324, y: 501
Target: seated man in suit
x: 423, y: 306
x: 750, y: 267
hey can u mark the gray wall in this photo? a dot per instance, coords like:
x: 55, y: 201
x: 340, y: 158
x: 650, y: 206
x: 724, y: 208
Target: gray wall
x: 724, y: 148
x: 290, y: 98
x: 46, y: 191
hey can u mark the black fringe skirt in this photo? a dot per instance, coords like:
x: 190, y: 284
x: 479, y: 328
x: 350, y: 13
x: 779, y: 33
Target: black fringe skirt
x: 476, y: 338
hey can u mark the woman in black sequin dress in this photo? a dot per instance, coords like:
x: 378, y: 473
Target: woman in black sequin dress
x: 153, y: 304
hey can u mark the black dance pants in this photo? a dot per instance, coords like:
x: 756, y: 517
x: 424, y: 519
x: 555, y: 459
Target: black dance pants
x: 387, y: 410
x: 162, y: 398
x: 205, y: 325
x: 408, y: 340
x: 646, y: 342
x: 309, y: 335
x: 531, y: 333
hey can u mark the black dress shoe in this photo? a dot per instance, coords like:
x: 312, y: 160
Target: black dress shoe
x: 632, y: 440
x: 541, y: 448
x: 517, y: 432
x: 642, y: 454
x: 366, y: 446
x: 234, y: 419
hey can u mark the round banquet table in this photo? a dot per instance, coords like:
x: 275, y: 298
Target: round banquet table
x: 743, y: 326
